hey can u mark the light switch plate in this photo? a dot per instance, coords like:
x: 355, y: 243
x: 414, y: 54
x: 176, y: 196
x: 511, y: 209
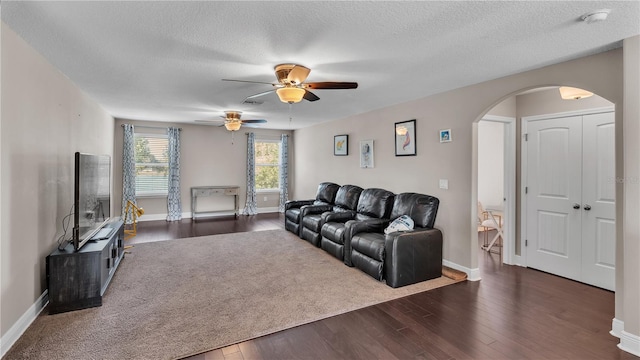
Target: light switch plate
x: 444, y: 184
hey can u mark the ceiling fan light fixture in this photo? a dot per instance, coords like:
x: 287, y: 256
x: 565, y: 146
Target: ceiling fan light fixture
x: 290, y: 94
x: 232, y: 115
x: 571, y: 93
x: 233, y: 125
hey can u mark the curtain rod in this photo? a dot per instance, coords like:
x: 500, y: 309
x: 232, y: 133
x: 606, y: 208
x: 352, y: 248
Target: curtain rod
x: 149, y: 127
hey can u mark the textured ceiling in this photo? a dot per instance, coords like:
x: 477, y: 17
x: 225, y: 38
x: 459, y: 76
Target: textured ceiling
x: 164, y: 61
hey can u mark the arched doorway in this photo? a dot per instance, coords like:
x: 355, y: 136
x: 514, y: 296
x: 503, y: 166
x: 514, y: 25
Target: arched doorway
x: 540, y: 102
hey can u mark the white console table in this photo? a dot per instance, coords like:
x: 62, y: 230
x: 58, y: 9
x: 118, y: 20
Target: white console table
x: 199, y: 191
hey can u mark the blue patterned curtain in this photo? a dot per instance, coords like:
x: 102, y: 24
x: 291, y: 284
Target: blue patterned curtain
x: 174, y: 206
x: 251, y: 207
x: 284, y: 172
x: 128, y: 170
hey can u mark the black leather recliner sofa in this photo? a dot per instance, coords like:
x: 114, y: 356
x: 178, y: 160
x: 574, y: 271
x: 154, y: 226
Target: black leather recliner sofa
x: 346, y: 201
x: 293, y: 211
x: 374, y: 205
x: 400, y: 258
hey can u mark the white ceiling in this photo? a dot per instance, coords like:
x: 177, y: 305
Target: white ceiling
x: 164, y: 61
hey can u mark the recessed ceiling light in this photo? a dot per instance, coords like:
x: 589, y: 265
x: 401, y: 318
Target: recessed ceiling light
x: 595, y: 16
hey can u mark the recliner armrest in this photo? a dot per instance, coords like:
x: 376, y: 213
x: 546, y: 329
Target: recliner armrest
x: 353, y: 227
x: 293, y: 204
x: 413, y: 256
x: 369, y: 226
x: 341, y: 217
x: 314, y: 209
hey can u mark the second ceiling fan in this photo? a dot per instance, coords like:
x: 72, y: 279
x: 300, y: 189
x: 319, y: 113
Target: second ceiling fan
x: 232, y: 121
x: 291, y: 87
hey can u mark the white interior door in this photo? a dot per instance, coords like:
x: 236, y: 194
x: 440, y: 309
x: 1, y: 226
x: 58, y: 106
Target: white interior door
x: 554, y: 194
x: 598, y: 201
x: 570, y: 213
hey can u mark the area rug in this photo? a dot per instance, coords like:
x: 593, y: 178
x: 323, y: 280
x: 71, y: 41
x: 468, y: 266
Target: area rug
x: 177, y: 298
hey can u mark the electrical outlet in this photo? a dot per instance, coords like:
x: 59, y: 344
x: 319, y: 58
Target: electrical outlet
x: 265, y: 198
x: 444, y: 184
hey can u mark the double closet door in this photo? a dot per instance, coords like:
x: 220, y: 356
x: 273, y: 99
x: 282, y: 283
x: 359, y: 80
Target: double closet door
x: 570, y: 197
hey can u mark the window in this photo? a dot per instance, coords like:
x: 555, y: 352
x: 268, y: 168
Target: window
x: 152, y: 164
x: 267, y: 165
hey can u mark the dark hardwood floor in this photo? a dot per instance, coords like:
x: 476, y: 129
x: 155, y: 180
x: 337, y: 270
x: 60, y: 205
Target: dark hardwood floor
x: 164, y: 230
x: 512, y: 313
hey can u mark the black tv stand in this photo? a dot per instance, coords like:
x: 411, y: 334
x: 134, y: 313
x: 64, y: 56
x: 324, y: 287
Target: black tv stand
x: 103, y: 234
x: 78, y: 279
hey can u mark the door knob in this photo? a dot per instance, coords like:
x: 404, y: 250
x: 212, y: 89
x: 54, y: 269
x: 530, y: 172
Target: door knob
x: 576, y: 206
x: 587, y: 207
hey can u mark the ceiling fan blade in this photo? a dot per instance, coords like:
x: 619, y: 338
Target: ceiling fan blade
x: 309, y: 96
x: 331, y: 85
x: 250, y: 82
x: 298, y: 74
x: 259, y: 94
x: 251, y: 125
x: 254, y: 121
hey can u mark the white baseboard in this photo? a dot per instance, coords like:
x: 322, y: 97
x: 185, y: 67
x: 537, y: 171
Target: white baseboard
x: 187, y: 215
x: 518, y: 260
x: 617, y: 326
x: 155, y: 217
x: 472, y: 274
x: 629, y: 343
x: 14, y: 333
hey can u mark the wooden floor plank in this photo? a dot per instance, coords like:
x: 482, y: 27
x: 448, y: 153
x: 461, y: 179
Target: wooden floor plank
x: 250, y: 351
x: 339, y: 342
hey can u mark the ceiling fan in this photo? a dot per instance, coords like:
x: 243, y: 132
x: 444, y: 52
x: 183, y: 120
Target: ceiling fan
x: 233, y: 122
x: 291, y: 87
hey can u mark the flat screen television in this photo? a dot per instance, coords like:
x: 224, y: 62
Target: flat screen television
x: 91, y: 196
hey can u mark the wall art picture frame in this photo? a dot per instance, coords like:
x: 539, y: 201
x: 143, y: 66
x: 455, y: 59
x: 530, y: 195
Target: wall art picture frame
x: 445, y: 135
x: 341, y: 145
x: 405, y: 134
x: 366, y: 154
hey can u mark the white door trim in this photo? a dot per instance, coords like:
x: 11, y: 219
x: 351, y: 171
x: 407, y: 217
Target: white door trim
x: 599, y: 110
x: 523, y: 165
x: 509, y: 249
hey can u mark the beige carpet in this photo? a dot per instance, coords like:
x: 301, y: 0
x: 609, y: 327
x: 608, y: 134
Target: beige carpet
x: 176, y: 298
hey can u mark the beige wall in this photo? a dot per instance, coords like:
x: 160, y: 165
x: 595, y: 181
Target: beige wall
x: 506, y: 108
x: 629, y: 276
x: 208, y: 157
x: 452, y: 161
x: 550, y: 102
x: 45, y: 120
x: 457, y: 161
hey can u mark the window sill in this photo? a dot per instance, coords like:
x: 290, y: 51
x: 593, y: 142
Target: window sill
x: 268, y: 191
